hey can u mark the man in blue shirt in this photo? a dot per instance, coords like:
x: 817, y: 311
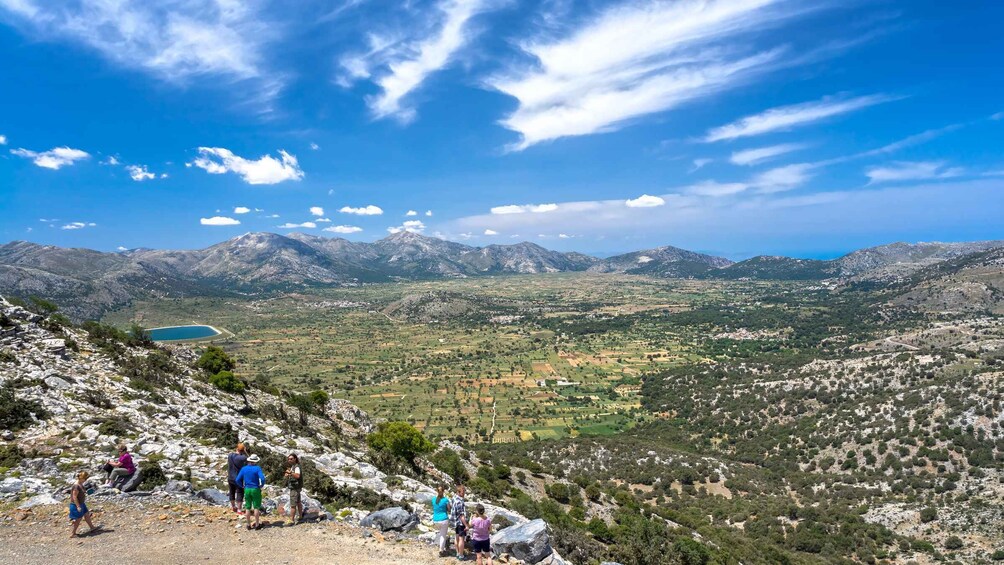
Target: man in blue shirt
x: 252, y: 479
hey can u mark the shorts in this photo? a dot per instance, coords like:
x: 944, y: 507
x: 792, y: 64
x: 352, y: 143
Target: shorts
x: 482, y: 546
x: 461, y: 529
x: 294, y: 499
x: 77, y: 513
x: 236, y: 494
x: 252, y: 498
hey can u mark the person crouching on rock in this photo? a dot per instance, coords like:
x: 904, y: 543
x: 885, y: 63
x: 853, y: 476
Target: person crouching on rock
x: 441, y: 518
x: 78, y: 505
x: 122, y: 467
x: 235, y: 462
x: 252, y: 479
x: 481, y: 535
x: 294, y: 481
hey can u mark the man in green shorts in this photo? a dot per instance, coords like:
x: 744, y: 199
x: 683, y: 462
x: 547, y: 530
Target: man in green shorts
x: 252, y: 479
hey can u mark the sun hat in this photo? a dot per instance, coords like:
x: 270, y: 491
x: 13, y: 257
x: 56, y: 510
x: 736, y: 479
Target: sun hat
x: 254, y: 458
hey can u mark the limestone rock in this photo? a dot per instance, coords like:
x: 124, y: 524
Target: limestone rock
x: 529, y: 542
x: 213, y: 496
x: 396, y: 519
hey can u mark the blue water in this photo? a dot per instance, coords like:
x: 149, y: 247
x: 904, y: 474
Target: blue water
x: 181, y: 332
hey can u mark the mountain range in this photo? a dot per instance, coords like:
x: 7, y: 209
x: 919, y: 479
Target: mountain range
x: 88, y: 283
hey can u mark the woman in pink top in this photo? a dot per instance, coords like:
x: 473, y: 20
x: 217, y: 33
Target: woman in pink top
x: 481, y: 534
x: 121, y: 467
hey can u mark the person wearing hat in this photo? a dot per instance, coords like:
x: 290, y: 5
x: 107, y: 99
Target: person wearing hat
x: 252, y: 479
x: 235, y: 462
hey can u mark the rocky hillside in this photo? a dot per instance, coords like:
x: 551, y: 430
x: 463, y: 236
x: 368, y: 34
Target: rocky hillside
x: 662, y: 261
x: 969, y: 284
x: 69, y: 395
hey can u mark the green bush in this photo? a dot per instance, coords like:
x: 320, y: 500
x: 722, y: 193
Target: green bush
x: 998, y: 555
x: 11, y: 455
x: 319, y: 397
x: 214, y: 360
x: 691, y: 552
x: 447, y: 461
x: 151, y: 475
x: 953, y: 543
x: 15, y: 413
x: 399, y: 440
x: 928, y: 515
x: 559, y: 492
x: 227, y: 382
x: 219, y: 434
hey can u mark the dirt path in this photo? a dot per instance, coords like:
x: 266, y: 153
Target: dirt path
x: 157, y: 533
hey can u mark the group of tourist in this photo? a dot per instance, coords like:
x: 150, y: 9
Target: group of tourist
x: 445, y: 511
x: 245, y: 479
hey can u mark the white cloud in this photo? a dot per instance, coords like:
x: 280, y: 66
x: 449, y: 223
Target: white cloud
x: 645, y: 201
x: 369, y: 210
x: 272, y: 216
x: 699, y: 164
x: 565, y: 236
x: 78, y: 225
x: 242, y: 210
x: 292, y: 226
x: 428, y: 213
x: 491, y: 232
x: 411, y: 213
x: 783, y: 178
x: 314, y: 146
x: 911, y: 170
x: 139, y: 173
x: 760, y: 154
x: 788, y: 117
x: 176, y: 41
x: 403, y: 60
x: 637, y: 58
x: 219, y: 221
x: 714, y: 189
x: 344, y: 229
x: 3, y: 140
x: 121, y: 248
x: 523, y: 208
x: 316, y: 211
x: 264, y: 170
x: 415, y: 226
x: 54, y: 158
x: 111, y: 160
x: 323, y: 220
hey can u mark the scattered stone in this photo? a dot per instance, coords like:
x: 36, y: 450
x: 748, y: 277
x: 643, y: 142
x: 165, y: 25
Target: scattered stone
x: 213, y: 496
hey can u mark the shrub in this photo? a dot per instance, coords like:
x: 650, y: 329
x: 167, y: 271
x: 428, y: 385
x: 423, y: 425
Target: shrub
x: 219, y: 434
x: 928, y: 515
x: 559, y: 492
x: 953, y: 542
x: 150, y: 372
x: 214, y: 360
x: 399, y: 440
x: 11, y: 456
x: 227, y: 382
x: 319, y: 397
x: 691, y: 552
x: 447, y: 461
x: 112, y: 426
x: 15, y: 413
x: 151, y: 475
x: 998, y: 555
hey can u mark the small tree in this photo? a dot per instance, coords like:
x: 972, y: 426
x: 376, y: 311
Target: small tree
x: 215, y: 360
x: 399, y: 440
x: 227, y: 382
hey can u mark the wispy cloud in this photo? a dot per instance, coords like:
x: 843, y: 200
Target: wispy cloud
x: 344, y: 229
x: 219, y: 221
x: 911, y: 171
x: 716, y: 189
x: 403, y: 60
x: 796, y: 115
x: 635, y: 59
x: 369, y: 210
x: 782, y: 179
x: 524, y: 208
x: 491, y: 232
x: 55, y: 158
x: 699, y: 164
x: 760, y: 154
x: 176, y: 40
x: 264, y: 170
x: 78, y: 225
x: 292, y: 226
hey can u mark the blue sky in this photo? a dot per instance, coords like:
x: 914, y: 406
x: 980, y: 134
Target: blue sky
x: 737, y: 127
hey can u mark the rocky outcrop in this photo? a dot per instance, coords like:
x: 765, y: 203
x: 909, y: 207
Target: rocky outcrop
x: 396, y: 519
x: 529, y: 542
